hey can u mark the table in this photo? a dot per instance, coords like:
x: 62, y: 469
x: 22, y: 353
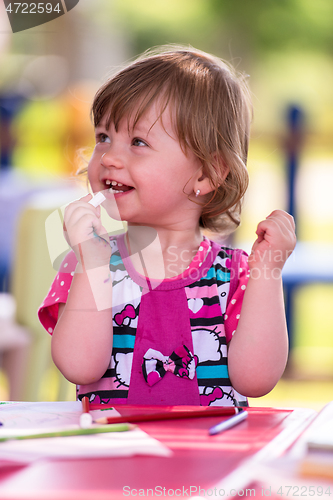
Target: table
x: 201, y: 465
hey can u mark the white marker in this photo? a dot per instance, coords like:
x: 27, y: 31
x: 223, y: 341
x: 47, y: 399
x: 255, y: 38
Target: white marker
x: 97, y: 199
x: 85, y: 420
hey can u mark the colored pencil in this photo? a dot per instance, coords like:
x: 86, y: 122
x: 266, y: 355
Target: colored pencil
x: 168, y: 415
x: 85, y: 404
x: 72, y: 432
x: 229, y: 423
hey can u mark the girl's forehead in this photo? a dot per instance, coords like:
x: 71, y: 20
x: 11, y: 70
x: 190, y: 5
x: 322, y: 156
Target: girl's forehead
x: 139, y: 117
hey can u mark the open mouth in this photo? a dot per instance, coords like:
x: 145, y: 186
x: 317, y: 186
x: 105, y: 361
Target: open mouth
x: 115, y: 187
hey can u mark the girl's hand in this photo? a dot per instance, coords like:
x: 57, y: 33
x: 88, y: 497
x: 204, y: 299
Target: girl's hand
x: 276, y: 241
x: 85, y: 233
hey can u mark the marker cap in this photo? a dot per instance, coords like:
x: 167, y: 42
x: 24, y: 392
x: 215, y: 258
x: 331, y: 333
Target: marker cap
x: 97, y: 199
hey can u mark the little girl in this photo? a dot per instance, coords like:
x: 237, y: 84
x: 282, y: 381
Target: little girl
x: 161, y: 314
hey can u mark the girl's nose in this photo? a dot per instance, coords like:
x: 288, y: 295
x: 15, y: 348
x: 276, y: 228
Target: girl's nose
x: 112, y: 158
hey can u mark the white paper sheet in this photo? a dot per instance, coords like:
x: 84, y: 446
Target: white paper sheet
x: 32, y: 418
x: 24, y: 418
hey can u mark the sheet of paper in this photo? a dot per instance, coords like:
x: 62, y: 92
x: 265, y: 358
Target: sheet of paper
x: 15, y: 416
x: 32, y: 418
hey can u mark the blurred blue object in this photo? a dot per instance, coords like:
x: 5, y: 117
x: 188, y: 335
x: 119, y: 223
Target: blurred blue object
x: 13, y: 193
x: 310, y: 262
x: 10, y: 105
x: 15, y: 190
x: 295, y: 138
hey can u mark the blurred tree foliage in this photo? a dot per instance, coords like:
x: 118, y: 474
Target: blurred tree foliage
x: 285, y: 45
x: 265, y: 25
x: 241, y: 28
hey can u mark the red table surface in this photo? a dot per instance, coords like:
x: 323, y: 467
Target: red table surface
x: 198, y: 461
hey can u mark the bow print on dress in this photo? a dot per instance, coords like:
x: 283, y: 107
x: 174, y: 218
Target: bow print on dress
x: 181, y: 362
x: 127, y: 312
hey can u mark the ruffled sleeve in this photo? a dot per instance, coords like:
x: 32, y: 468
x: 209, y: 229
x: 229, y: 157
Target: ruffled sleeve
x: 237, y: 290
x: 58, y: 293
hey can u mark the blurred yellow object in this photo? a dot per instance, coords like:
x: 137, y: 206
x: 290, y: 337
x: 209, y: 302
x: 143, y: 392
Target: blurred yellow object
x: 41, y: 132
x: 49, y: 133
x: 14, y: 345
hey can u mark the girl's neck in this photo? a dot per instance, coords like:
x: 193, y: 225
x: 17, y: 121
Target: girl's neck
x: 162, y: 253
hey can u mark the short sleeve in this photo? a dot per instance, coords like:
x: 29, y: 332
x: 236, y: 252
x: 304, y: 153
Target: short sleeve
x: 58, y: 293
x: 235, y: 302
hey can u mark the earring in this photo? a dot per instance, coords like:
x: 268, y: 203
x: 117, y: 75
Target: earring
x: 197, y: 193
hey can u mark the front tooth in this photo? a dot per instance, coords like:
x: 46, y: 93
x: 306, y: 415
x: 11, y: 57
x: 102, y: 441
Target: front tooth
x: 107, y: 182
x: 113, y: 183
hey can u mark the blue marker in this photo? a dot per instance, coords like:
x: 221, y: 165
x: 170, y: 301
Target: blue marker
x: 230, y: 422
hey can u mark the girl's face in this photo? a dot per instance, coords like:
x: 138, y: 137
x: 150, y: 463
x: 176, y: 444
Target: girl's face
x: 146, y: 172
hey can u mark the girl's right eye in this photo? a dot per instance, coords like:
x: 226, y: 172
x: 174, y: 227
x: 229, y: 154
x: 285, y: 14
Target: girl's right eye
x: 102, y: 138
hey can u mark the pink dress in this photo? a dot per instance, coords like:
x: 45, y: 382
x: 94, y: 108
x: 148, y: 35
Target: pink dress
x: 169, y: 338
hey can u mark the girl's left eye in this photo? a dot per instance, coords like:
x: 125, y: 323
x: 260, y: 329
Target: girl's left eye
x: 138, y: 142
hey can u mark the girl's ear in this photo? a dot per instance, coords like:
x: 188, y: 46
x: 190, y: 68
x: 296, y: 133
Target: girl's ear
x: 204, y: 182
x: 203, y: 185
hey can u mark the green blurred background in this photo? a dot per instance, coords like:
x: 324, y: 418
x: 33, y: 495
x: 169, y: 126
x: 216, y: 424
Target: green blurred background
x: 286, y: 48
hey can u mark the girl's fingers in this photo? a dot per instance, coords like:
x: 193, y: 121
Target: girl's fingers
x: 77, y: 203
x: 79, y: 213
x: 82, y: 220
x: 277, y: 223
x: 281, y: 216
x: 78, y: 209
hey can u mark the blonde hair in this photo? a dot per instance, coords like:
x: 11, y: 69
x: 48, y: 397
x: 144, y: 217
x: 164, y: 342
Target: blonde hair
x: 211, y: 112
